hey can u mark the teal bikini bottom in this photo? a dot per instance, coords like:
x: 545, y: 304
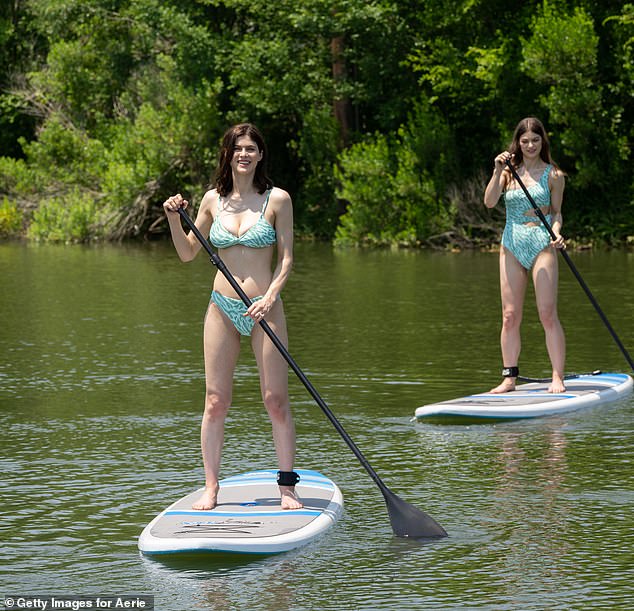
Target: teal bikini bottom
x: 235, y: 310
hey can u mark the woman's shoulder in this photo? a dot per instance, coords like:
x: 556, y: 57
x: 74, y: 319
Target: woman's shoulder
x: 209, y: 201
x: 210, y: 196
x: 555, y: 173
x: 556, y: 179
x: 279, y: 198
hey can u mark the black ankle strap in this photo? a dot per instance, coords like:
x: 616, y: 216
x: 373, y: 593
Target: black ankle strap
x: 287, y: 478
x: 511, y: 372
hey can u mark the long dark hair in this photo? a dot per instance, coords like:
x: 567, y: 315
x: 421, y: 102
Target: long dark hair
x: 224, y: 178
x: 530, y: 124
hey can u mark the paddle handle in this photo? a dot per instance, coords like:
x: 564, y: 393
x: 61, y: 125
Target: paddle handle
x: 218, y: 262
x: 572, y: 267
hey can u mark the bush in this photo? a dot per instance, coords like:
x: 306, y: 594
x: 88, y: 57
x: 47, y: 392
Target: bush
x: 16, y: 177
x: 73, y: 217
x: 10, y: 219
x: 393, y: 191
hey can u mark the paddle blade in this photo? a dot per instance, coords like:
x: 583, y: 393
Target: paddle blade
x: 409, y: 521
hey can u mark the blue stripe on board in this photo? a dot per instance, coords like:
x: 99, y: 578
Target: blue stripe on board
x: 529, y: 395
x: 195, y: 551
x: 621, y: 377
x: 270, y: 476
x: 617, y: 378
x: 244, y: 514
x: 273, y: 473
x: 235, y: 481
x: 316, y: 483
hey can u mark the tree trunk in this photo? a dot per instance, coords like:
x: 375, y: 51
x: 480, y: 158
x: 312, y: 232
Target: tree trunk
x: 341, y: 104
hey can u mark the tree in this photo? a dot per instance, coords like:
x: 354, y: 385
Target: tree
x: 122, y: 103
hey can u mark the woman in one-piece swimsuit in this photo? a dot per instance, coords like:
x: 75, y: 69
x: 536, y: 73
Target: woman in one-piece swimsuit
x: 527, y: 246
x: 248, y: 220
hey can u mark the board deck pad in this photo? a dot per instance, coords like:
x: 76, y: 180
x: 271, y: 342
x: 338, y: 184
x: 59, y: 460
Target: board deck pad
x: 532, y: 400
x: 248, y: 517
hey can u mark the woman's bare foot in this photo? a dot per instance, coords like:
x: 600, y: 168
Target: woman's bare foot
x: 289, y: 498
x: 557, y: 385
x: 208, y: 500
x: 507, y: 385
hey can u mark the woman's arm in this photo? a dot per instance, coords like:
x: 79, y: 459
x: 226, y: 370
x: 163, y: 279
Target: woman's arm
x: 557, y: 183
x: 497, y: 183
x: 187, y: 245
x: 282, y: 206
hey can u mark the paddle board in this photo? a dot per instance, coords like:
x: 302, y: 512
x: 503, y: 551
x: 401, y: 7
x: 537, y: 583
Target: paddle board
x: 248, y: 518
x: 533, y: 399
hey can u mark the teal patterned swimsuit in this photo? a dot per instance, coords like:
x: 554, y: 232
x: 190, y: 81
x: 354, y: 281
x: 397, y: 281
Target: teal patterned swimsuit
x: 260, y: 235
x: 235, y: 310
x: 523, y: 240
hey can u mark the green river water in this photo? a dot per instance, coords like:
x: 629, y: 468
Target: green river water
x: 101, y: 388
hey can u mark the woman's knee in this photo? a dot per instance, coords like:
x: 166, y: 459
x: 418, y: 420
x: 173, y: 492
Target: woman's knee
x: 277, y: 405
x: 511, y: 319
x: 216, y: 405
x: 548, y: 316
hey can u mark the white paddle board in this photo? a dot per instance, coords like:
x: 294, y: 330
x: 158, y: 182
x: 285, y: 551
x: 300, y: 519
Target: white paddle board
x: 248, y: 518
x: 533, y: 399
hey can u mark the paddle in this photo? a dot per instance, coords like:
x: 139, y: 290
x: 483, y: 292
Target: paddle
x: 407, y: 520
x: 567, y: 259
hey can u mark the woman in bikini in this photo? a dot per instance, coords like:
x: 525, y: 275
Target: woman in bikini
x: 527, y: 246
x: 248, y: 220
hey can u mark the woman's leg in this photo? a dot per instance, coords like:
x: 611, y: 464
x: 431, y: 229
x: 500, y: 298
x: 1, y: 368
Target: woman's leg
x: 513, y: 280
x: 545, y: 279
x: 221, y: 348
x: 274, y: 384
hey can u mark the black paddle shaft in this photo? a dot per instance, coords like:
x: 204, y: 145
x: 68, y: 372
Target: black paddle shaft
x: 406, y: 520
x: 572, y: 267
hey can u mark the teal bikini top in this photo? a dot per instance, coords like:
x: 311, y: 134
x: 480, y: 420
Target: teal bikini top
x: 260, y: 235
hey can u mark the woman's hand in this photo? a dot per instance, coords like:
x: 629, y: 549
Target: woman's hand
x: 501, y: 159
x: 497, y: 182
x: 260, y: 308
x: 558, y: 242
x: 172, y: 204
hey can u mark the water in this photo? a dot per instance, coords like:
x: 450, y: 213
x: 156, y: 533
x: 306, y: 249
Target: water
x: 101, y: 395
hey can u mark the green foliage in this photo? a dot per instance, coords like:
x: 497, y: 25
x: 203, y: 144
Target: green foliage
x: 391, y: 197
x: 316, y: 150
x: 18, y: 42
x: 159, y: 138
x: 573, y: 96
x: 577, y: 103
x: 16, y: 176
x: 165, y: 145
x: 277, y: 64
x: 72, y: 218
x: 363, y: 173
x: 123, y: 103
x: 621, y: 28
x: 62, y: 155
x: 10, y: 219
x: 430, y: 138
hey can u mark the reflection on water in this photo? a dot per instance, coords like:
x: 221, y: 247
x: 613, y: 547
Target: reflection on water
x: 101, y: 396
x: 535, y: 529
